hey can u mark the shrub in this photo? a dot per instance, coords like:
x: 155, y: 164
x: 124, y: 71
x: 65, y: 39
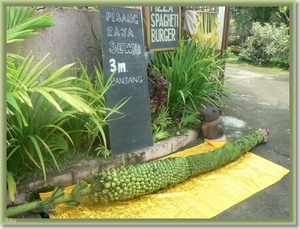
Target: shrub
x: 158, y: 90
x: 268, y: 46
x: 38, y: 113
x: 193, y: 72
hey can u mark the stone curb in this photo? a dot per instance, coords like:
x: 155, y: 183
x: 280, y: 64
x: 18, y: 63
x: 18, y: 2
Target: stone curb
x: 71, y: 175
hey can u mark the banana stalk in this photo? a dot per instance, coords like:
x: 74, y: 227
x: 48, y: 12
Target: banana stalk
x: 77, y: 195
x: 129, y: 182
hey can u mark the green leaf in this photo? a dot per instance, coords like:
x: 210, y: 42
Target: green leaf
x: 100, y: 129
x: 11, y: 184
x: 12, y: 102
x: 56, y: 74
x: 159, y: 135
x: 41, y: 155
x: 44, y: 92
x: 61, y: 130
x: 39, y: 152
x: 75, y: 101
x: 23, y: 97
x: 21, y: 23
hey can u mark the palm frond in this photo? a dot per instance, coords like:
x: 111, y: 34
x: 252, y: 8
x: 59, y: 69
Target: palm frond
x: 21, y: 23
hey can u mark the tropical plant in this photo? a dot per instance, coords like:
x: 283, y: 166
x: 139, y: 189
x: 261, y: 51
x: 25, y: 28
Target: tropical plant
x: 158, y: 89
x: 160, y: 124
x: 244, y: 16
x: 269, y: 45
x: 39, y: 110
x: 88, y: 132
x: 192, y: 70
x: 20, y: 23
x: 284, y: 14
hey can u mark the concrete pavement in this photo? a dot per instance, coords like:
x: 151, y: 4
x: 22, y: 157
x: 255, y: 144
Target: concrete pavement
x: 261, y: 99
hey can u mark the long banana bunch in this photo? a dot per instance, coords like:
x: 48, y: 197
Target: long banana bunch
x: 129, y: 182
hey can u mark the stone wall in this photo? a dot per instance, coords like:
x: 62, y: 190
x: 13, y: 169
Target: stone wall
x: 66, y: 41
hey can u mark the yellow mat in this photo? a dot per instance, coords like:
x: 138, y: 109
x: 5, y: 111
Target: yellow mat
x: 204, y: 196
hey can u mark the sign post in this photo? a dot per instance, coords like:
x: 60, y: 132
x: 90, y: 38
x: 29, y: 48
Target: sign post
x: 123, y: 52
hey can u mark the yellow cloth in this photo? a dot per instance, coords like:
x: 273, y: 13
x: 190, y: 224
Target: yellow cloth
x: 204, y: 196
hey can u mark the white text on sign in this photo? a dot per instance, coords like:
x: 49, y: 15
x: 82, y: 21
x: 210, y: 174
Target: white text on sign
x: 164, y: 23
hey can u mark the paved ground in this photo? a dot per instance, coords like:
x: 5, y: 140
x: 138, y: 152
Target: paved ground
x: 261, y: 99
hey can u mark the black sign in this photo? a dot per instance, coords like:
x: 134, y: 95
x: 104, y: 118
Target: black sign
x: 163, y: 27
x: 123, y: 52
